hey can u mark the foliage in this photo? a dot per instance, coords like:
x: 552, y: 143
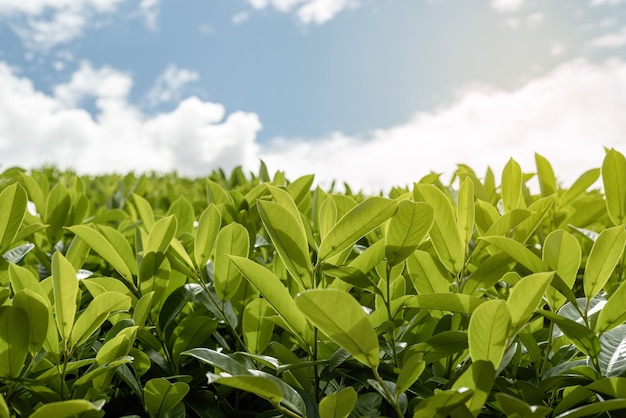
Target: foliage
x: 161, y: 296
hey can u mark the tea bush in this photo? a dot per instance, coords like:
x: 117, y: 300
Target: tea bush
x: 251, y: 295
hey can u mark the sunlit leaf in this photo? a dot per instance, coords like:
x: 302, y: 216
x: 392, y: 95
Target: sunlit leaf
x: 340, y: 317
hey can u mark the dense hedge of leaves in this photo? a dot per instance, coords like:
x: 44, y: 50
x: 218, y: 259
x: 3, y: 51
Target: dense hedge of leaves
x: 251, y: 295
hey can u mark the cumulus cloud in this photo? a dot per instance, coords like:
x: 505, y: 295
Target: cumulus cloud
x: 169, y: 85
x: 43, y: 24
x: 566, y: 116
x: 308, y: 11
x: 506, y: 6
x: 612, y: 40
x: 196, y: 137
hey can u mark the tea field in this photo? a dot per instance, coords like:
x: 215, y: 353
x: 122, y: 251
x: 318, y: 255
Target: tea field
x: 253, y: 295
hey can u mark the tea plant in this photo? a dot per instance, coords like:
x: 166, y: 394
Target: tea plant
x: 161, y: 296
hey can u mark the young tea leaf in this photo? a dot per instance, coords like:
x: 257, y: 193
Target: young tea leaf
x: 444, y: 234
x: 512, y: 186
x: 547, y: 179
x: 13, y: 202
x: 65, y: 287
x: 206, y: 234
x: 14, y: 336
x: 232, y: 240
x: 562, y: 253
x: 276, y: 295
x: 604, y: 256
x: 407, y: 228
x: 36, y: 309
x: 289, y: 239
x: 338, y: 404
x: 614, y: 181
x: 489, y: 328
x: 356, y: 223
x: 340, y: 317
x: 161, y: 396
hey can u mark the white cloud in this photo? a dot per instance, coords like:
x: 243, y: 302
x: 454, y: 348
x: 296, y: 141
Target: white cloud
x: 612, y: 40
x: 567, y: 116
x: 150, y: 11
x: 43, y: 24
x: 308, y: 11
x: 169, y: 84
x: 506, y: 6
x: 557, y: 49
x: 196, y: 137
x: 103, y: 83
x: 601, y: 2
x: 239, y: 18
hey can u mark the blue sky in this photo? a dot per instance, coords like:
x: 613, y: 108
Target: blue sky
x: 372, y: 92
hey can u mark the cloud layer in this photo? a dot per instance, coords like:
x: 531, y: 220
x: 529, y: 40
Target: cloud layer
x: 194, y: 138
x: 43, y: 24
x: 308, y: 11
x: 567, y: 116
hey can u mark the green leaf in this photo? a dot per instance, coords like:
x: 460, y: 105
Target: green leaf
x: 581, y: 336
x: 145, y: 211
x: 340, y: 317
x: 13, y: 202
x: 612, y: 356
x: 289, y: 238
x: 223, y: 362
x: 614, y: 387
x: 276, y: 294
x: 517, y: 408
x: 442, y: 344
x: 161, y: 235
x: 142, y: 309
x: 338, y: 404
x: 547, y: 179
x: 161, y: 396
x: 4, y: 409
x: 67, y: 409
x: 407, y: 228
x: 65, y: 288
x: 96, y: 313
x: 452, y: 302
x: 562, y: 253
x: 102, y: 246
x: 355, y: 224
x: 614, y: 181
x: 58, y: 205
x: 232, y: 240
x: 489, y: 328
x: 154, y: 274
x: 511, y: 186
x: 466, y: 210
x: 36, y: 308
x: 479, y: 377
x: 14, y: 336
x: 526, y: 297
x: 442, y: 403
x: 427, y: 274
x: 517, y: 252
x: 444, y: 234
x: 604, y: 256
x: 612, y: 313
x: 257, y: 328
x: 259, y: 385
x: 206, y: 234
x: 579, y: 187
x: 183, y: 212
x: 411, y: 370
x: 595, y: 408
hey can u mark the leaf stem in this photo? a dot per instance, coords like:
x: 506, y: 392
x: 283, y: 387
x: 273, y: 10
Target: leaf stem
x: 388, y: 305
x: 388, y: 395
